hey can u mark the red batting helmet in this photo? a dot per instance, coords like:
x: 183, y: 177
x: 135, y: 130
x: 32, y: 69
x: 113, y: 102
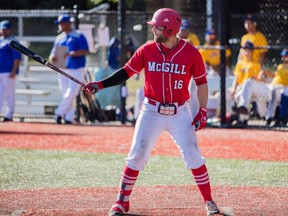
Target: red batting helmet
x: 168, y: 18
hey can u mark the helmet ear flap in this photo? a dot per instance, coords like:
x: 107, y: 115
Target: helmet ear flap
x: 169, y: 18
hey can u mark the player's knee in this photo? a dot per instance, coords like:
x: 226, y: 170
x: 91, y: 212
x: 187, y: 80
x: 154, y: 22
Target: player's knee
x: 136, y: 164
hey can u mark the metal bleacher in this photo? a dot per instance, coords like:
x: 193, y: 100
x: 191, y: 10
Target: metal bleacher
x: 37, y: 93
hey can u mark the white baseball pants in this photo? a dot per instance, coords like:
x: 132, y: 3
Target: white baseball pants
x: 150, y: 124
x: 69, y: 90
x: 257, y: 91
x: 276, y: 91
x: 7, y: 93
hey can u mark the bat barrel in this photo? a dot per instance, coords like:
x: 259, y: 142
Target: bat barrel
x: 24, y: 50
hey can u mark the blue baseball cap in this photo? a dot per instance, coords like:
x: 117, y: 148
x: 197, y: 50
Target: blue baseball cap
x: 250, y: 17
x: 284, y: 52
x: 185, y: 24
x: 63, y: 18
x: 248, y: 45
x: 5, y: 24
x: 210, y: 32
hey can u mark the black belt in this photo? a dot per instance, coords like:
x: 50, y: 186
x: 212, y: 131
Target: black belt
x: 154, y: 103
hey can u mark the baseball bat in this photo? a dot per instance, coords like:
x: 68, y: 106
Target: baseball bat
x: 24, y: 50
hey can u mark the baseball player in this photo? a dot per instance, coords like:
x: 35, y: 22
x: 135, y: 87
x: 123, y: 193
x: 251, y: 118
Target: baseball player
x: 186, y: 34
x: 9, y: 68
x: 77, y: 48
x: 254, y: 36
x: 246, y: 68
x: 169, y: 63
x: 279, y: 88
x: 253, y: 85
x: 211, y: 57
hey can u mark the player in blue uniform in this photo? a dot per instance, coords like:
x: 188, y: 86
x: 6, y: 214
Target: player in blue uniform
x: 9, y: 68
x: 77, y: 49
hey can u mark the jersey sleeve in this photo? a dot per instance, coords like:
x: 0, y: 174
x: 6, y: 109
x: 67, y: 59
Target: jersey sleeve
x: 83, y: 43
x: 136, y: 63
x: 16, y: 55
x: 198, y: 67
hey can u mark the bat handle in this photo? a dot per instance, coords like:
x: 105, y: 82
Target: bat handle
x: 197, y: 125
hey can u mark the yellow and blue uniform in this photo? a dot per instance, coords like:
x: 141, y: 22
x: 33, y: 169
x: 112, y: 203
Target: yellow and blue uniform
x: 245, y: 69
x: 212, y: 56
x: 281, y: 75
x: 259, y: 40
x: 193, y: 39
x: 279, y: 90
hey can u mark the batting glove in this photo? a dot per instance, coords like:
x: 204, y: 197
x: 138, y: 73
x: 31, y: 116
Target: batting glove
x: 200, y: 119
x: 92, y: 87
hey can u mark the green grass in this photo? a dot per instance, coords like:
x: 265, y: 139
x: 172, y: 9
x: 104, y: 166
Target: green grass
x: 20, y: 169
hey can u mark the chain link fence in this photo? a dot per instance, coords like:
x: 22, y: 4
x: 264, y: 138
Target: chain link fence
x: 36, y: 29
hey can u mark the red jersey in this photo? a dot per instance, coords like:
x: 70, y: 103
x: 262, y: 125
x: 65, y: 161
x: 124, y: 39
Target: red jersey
x: 167, y: 71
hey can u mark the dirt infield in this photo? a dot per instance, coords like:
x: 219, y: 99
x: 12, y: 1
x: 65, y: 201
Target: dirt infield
x: 168, y: 200
x: 214, y: 143
x: 178, y: 201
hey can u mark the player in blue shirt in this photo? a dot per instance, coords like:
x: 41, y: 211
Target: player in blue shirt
x: 77, y: 48
x: 9, y: 68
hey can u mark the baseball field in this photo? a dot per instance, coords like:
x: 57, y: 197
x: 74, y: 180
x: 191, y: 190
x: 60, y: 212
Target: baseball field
x: 48, y: 169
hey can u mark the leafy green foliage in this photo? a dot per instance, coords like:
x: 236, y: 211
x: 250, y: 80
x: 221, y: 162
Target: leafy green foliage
x: 35, y: 4
x: 138, y: 5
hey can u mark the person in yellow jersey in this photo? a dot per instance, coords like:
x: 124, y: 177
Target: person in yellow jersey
x: 245, y: 69
x: 254, y: 36
x: 279, y: 88
x: 253, y: 84
x: 211, y: 57
x: 186, y: 33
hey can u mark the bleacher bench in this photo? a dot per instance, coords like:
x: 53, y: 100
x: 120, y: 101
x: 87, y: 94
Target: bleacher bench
x: 35, y: 80
x: 33, y: 92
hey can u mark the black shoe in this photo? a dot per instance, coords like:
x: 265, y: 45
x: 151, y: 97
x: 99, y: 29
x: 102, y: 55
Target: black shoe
x: 58, y: 120
x: 233, y: 119
x: 68, y: 122
x: 280, y: 123
x: 269, y: 121
x: 241, y: 110
x: 7, y: 119
x: 240, y: 124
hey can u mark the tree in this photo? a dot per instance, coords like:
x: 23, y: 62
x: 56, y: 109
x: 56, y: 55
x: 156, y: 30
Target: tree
x: 36, y: 4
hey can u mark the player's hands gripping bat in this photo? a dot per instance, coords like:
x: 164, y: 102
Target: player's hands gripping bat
x: 92, y: 87
x: 200, y: 119
x: 24, y: 50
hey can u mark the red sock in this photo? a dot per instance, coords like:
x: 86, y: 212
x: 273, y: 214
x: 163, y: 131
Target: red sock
x: 201, y: 178
x: 127, y: 182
